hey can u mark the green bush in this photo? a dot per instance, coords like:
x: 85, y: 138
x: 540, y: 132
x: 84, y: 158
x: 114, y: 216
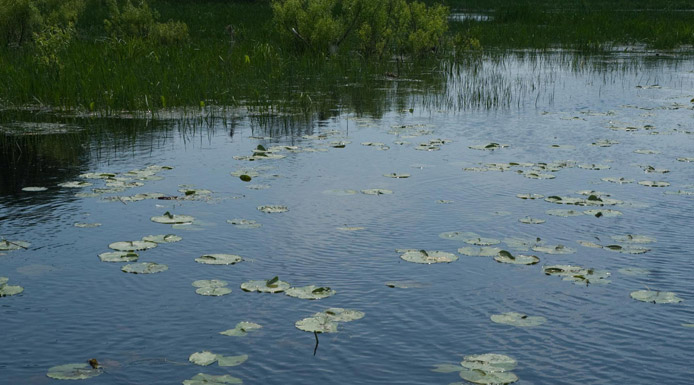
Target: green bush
x: 50, y: 42
x: 19, y: 19
x: 140, y: 21
x: 169, y: 33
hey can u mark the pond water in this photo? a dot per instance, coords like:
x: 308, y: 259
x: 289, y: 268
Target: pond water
x: 576, y: 120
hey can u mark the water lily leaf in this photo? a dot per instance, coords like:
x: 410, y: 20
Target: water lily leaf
x: 171, y: 219
x: 564, y: 213
x: 530, y: 196
x: 75, y: 184
x: 618, y: 180
x: 118, y: 256
x: 73, y: 372
x: 317, y: 324
x: 506, y: 257
x: 208, y: 379
x: 231, y: 360
x: 537, y: 175
x: 34, y: 189
x: 603, y: 213
x: 633, y: 238
x: 203, y: 358
x: 479, y: 251
x: 518, y: 319
x: 651, y: 183
x: 376, y: 191
x: 210, y: 283
x: 219, y: 259
x: 397, y: 176
x: 163, y: 238
x: 578, y: 274
x: 341, y: 314
x: 132, y: 245
x: 213, y: 291
x: 273, y: 209
x: 531, y: 221
x: 522, y: 244
x: 594, y: 166
x: 8, y: 290
x: 685, y: 159
x: 589, y: 244
x: 241, y: 329
x: 265, y: 286
x: 482, y: 241
x: 458, y: 235
x: 634, y: 271
x: 144, y: 268
x: 6, y: 245
x: 340, y: 192
x: 310, y: 292
x: 244, y: 223
x: 479, y: 376
x: 447, y: 368
x: 86, y: 225
x: 429, y: 257
x: 489, y: 362
x: 655, y: 296
x: 488, y: 147
x: 550, y: 249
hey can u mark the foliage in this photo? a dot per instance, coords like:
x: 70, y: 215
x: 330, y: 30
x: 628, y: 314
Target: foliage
x: 18, y: 20
x: 50, y: 43
x: 140, y: 21
x: 374, y: 27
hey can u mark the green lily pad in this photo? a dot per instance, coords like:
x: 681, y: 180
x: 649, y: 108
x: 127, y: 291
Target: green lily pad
x: 506, y: 257
x: 458, y: 235
x: 489, y: 362
x: 549, y: 249
x: 170, y: 219
x: 447, y: 368
x: 342, y: 315
x: 531, y: 221
x: 219, y: 259
x: 444, y: 201
x: 241, y: 329
x: 594, y: 166
x: 132, y: 245
x: 518, y: 319
x: 144, y: 268
x: 537, y: 175
x: 273, y: 209
x: 479, y: 251
x: 376, y: 191
x: 684, y: 159
x: 208, y: 379
x: 118, y: 256
x: 429, y: 257
x: 482, y: 241
x: 397, y: 176
x: 633, y: 238
x: 73, y: 372
x: 86, y: 225
x: 240, y: 223
x: 618, y: 180
x: 310, y: 292
x: 650, y: 183
x: 530, y: 196
x: 163, y: 238
x: 655, y: 296
x: 75, y: 184
x: 6, y: 245
x: 213, y: 291
x: 8, y: 290
x: 210, y: 283
x: 627, y: 249
x: 34, y: 189
x: 203, y: 358
x: 578, y: 274
x: 479, y: 376
x: 603, y: 213
x: 319, y: 323
x: 273, y: 285
x: 634, y: 271
x: 231, y: 360
x: 488, y: 147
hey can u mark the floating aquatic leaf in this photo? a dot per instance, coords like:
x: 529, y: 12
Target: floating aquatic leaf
x: 86, y: 225
x: 74, y: 184
x: 310, y: 292
x: 479, y: 251
x: 144, y: 268
x: 604, y: 143
x: 163, y: 238
x: 537, y: 175
x: 373, y: 144
x: 339, y: 143
x: 458, y: 235
x: 6, y: 245
x: 652, y: 170
x: 530, y: 196
x: 231, y: 360
x: 589, y: 244
x: 342, y: 315
x: 627, y: 249
x: 171, y: 219
x: 506, y: 257
x: 633, y: 238
x: 522, y: 244
x: 683, y: 159
x: 651, y: 183
x: 518, y: 319
x: 118, y: 256
x: 34, y: 189
x: 203, y: 358
x: 564, y: 213
x: 320, y: 323
x: 241, y: 329
x: 273, y: 285
x: 213, y: 291
x: 340, y: 192
x: 244, y: 223
x: 558, y: 249
x: 219, y: 259
x: 479, y: 376
x: 429, y: 257
x: 531, y: 221
x: 397, y: 176
x: 634, y: 271
x: 489, y: 362
x: 273, y: 209
x: 618, y: 180
x: 404, y: 284
x: 688, y: 325
x: 578, y: 274
x: 489, y: 146
x: 655, y: 296
x: 478, y: 241
x: 447, y: 368
x: 351, y: 228
x: 376, y: 191
x: 73, y: 372
x: 8, y: 290
x: 603, y: 213
x: 132, y: 245
x: 94, y: 175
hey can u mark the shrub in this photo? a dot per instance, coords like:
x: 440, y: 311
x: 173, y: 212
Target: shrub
x: 19, y: 19
x: 130, y: 21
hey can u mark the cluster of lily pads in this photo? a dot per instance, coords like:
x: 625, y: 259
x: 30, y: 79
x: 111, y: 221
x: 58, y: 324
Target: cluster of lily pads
x: 488, y: 369
x: 327, y: 320
x: 275, y: 285
x: 8, y: 290
x: 126, y: 251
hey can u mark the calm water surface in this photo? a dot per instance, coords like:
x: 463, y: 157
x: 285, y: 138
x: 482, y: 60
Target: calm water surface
x: 144, y: 327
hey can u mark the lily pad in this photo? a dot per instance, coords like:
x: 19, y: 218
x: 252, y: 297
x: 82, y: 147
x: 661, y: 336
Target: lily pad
x: 219, y: 259
x: 479, y: 376
x: 74, y: 184
x: 633, y: 238
x: 208, y: 379
x: 397, y: 176
x: 479, y: 251
x: 244, y: 223
x: 171, y: 219
x: 241, y: 329
x: 86, y: 225
x: 618, y: 180
x: 132, y: 245
x: 273, y: 285
x: 213, y: 291
x: 73, y: 372
x: 589, y: 244
x: 144, y: 268
x: 530, y: 196
x: 489, y: 362
x: 578, y: 274
x: 319, y: 323
x: 231, y: 360
x: 650, y: 183
x: 564, y: 213
x: 273, y: 209
x: 351, y: 228
x: 210, y: 283
x: 34, y: 189
x: 310, y: 292
x: 518, y: 319
x: 550, y: 249
x: 203, y: 358
x: 482, y: 241
x: 376, y: 191
x: 258, y: 186
x: 603, y: 213
x: 162, y: 238
x: 458, y: 235
x: 429, y: 257
x: 655, y: 296
x: 531, y: 221
x: 342, y: 315
x: 6, y: 245
x: 506, y: 257
x: 8, y: 290
x: 118, y: 256
x: 488, y: 146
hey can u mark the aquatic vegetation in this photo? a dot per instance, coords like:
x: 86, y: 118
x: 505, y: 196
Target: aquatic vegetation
x: 8, y: 290
x: 273, y: 209
x: 428, y: 257
x: 578, y: 274
x: 132, y: 245
x: 119, y: 256
x: 272, y: 285
x: 489, y: 368
x: 240, y: 223
x: 211, y: 287
x: 505, y: 257
x: 144, y: 268
x: 328, y: 320
x: 163, y: 238
x: 81, y: 371
x: 518, y: 319
x: 655, y: 296
x: 310, y: 292
x: 6, y: 245
x: 170, y: 219
x: 241, y: 329
x: 219, y: 259
x: 209, y: 379
x: 206, y: 358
